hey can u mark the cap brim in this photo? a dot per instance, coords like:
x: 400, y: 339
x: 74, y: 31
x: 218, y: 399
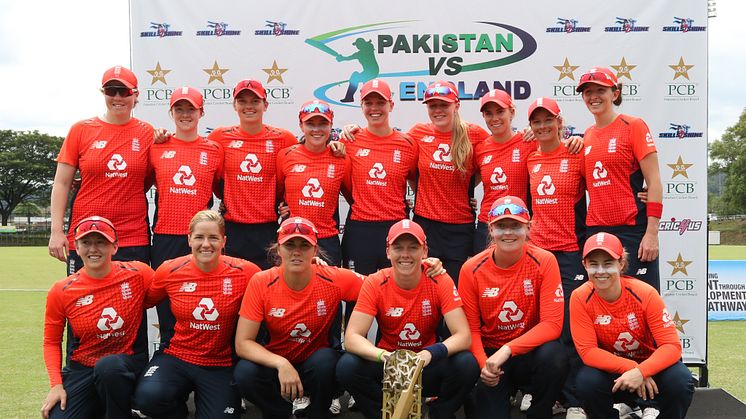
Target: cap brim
x: 542, y: 107
x: 443, y: 98
x: 124, y: 82
x: 598, y: 82
x: 511, y: 216
x: 309, y: 239
x: 498, y: 102
x: 190, y: 100
x: 259, y: 95
x: 611, y: 253
x: 105, y: 235
x: 370, y: 92
x: 396, y: 236
x: 311, y: 115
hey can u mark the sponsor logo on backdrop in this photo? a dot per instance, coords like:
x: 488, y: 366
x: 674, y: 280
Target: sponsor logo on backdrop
x: 626, y: 25
x: 215, y: 73
x: 724, y: 295
x: 159, y: 30
x: 630, y: 89
x: 275, y: 28
x: 570, y: 131
x: 566, y: 91
x: 680, y: 131
x: 158, y: 74
x: 217, y: 29
x: 683, y: 24
x: 679, y: 322
x: 381, y: 52
x: 277, y: 91
x: 680, y: 168
x: 678, y: 282
x: 681, y: 226
x: 682, y: 86
x: 568, y: 25
x: 679, y: 186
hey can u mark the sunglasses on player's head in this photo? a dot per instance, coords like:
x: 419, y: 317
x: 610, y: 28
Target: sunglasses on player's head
x: 296, y: 227
x: 317, y: 107
x: 512, y: 209
x: 439, y: 91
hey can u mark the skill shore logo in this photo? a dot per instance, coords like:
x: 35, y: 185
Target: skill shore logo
x: 684, y: 24
x: 161, y: 30
x: 276, y: 29
x: 626, y: 25
x: 394, y: 46
x: 217, y: 29
x: 680, y: 131
x: 568, y: 26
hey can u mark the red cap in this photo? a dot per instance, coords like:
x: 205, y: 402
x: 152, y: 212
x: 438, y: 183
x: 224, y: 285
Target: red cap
x: 607, y: 242
x: 189, y: 94
x: 249, y: 84
x: 545, y: 103
x: 501, y: 97
x: 509, y: 207
x: 441, y: 90
x: 120, y: 74
x: 406, y: 226
x: 98, y: 225
x: 297, y: 227
x: 597, y: 75
x: 376, y: 86
x: 316, y: 108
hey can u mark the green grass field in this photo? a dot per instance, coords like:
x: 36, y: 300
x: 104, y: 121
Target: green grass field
x: 23, y: 379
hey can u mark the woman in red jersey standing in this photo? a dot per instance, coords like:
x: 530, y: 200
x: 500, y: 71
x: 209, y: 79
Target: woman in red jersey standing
x: 513, y: 300
x: 297, y: 301
x: 310, y: 177
x: 626, y: 338
x: 205, y: 290
x: 103, y: 305
x: 111, y: 153
x: 620, y: 156
x: 187, y: 166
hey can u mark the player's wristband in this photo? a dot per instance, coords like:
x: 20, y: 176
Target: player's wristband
x: 654, y: 209
x: 380, y: 356
x: 438, y: 351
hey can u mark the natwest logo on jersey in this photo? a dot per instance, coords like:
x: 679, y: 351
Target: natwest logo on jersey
x: 300, y: 333
x: 117, y: 166
x: 110, y: 322
x: 251, y: 166
x: 409, y: 336
x: 546, y: 188
x: 498, y: 179
x: 442, y: 157
x: 205, y: 311
x: 511, y: 316
x: 626, y: 344
x: 184, y: 177
x: 599, y: 175
x: 377, y: 174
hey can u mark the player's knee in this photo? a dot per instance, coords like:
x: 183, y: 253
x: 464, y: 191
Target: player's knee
x: 589, y: 380
x: 465, y: 365
x: 245, y: 375
x: 111, y: 367
x: 552, y: 357
x: 347, y: 368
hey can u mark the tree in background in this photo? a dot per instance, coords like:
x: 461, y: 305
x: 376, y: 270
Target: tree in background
x: 729, y: 157
x: 27, y: 167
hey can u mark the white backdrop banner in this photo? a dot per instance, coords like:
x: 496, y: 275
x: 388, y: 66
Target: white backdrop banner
x: 307, y: 50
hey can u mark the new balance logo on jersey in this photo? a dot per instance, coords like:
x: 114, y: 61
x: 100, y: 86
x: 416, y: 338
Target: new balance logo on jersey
x: 205, y: 310
x: 98, y: 145
x: 428, y: 139
x: 510, y: 312
x: 487, y: 159
x: 409, y: 333
x: 579, y: 277
x: 235, y: 144
x: 116, y: 163
x: 300, y: 331
x: 276, y: 312
x: 250, y: 164
x: 363, y: 152
x: 168, y: 154
x: 603, y: 320
x: 313, y: 189
x: 498, y: 176
x: 84, y: 301
x: 588, y: 149
x: 490, y: 292
x: 298, y: 168
x: 109, y: 320
x: 612, y: 146
x: 394, y: 311
x: 642, y: 271
x: 229, y: 410
x: 536, y: 168
x: 188, y: 287
x: 184, y: 176
x: 443, y: 153
x: 626, y: 343
x: 546, y: 187
x: 377, y: 171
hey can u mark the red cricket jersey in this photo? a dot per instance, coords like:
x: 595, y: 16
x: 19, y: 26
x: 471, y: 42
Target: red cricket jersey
x: 502, y: 167
x: 185, y: 173
x: 114, y: 167
x: 104, y: 315
x: 612, y: 170
x: 380, y: 169
x: 250, y: 172
x: 312, y: 183
x: 558, y: 199
x: 299, y: 321
x: 521, y: 306
x: 443, y: 190
x: 407, y: 319
x: 205, y: 306
x: 634, y: 331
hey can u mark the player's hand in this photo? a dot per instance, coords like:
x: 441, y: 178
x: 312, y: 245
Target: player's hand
x: 161, y: 135
x: 425, y: 356
x: 57, y: 394
x: 528, y: 135
x: 648, y: 250
x: 629, y: 381
x: 348, y: 132
x: 284, y: 210
x: 434, y: 267
x: 495, y: 362
x: 643, y: 196
x: 58, y: 246
x: 489, y: 378
x: 648, y: 389
x: 473, y: 203
x: 291, y: 387
x: 337, y: 148
x: 574, y: 144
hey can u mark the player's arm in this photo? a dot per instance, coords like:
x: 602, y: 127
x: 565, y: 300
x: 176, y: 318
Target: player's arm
x: 157, y: 290
x: 460, y: 338
x: 54, y: 325
x: 467, y: 291
x: 356, y: 341
x: 648, y: 249
x: 662, y: 327
x: 63, y: 180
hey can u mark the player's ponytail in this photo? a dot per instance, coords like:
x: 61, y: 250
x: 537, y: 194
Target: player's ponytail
x: 618, y: 100
x: 461, y: 149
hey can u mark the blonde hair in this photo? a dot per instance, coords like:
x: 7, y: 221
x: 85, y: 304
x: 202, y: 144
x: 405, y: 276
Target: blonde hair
x: 207, y: 215
x: 460, y: 144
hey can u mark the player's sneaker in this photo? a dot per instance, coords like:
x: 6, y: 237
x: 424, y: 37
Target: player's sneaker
x: 625, y: 411
x: 558, y: 409
x: 525, y: 402
x: 575, y: 413
x: 650, y: 413
x: 351, y: 403
x: 335, y: 408
x: 300, y: 405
